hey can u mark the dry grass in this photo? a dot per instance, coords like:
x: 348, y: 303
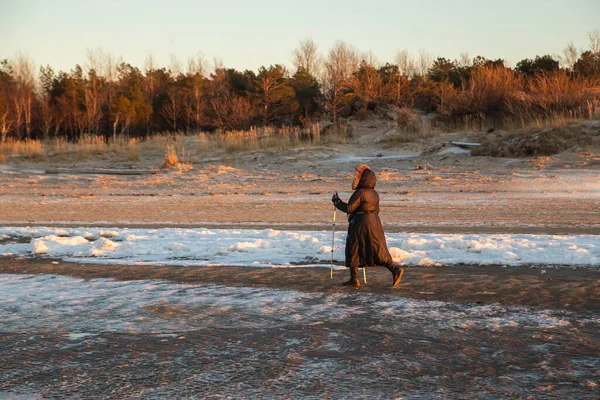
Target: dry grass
x: 29, y: 149
x: 274, y: 138
x: 171, y: 159
x: 134, y: 154
x: 89, y: 146
x: 556, y: 92
x: 537, y: 142
x: 488, y: 91
x: 501, y: 98
x: 587, y: 111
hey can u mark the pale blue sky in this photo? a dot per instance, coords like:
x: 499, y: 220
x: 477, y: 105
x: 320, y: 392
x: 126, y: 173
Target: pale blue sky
x: 248, y: 34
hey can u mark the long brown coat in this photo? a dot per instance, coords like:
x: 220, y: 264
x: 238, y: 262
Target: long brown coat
x: 365, y: 244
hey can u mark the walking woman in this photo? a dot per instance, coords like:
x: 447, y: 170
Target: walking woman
x: 365, y: 244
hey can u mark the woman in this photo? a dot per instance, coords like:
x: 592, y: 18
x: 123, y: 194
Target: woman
x: 365, y: 244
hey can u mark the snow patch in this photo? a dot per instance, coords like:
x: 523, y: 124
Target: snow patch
x: 53, y: 244
x: 399, y: 255
x: 173, y: 246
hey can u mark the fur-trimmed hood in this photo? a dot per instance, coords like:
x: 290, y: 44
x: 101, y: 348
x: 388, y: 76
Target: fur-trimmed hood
x: 364, y: 178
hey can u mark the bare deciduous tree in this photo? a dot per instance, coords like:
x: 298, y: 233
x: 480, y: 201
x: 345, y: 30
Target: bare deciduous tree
x: 193, y: 101
x: 150, y: 81
x: 93, y: 110
x: 5, y: 125
x: 196, y: 65
x: 240, y: 112
x: 172, y: 107
x: 175, y: 66
x: 231, y: 112
x: 465, y: 60
x: 25, y: 83
x: 342, y: 61
x: 95, y: 61
x: 307, y: 56
x: 570, y: 55
x: 370, y: 59
x: 594, y: 37
x: 149, y: 63
x: 103, y: 62
x: 111, y: 66
x: 218, y: 63
x: 367, y: 85
x: 405, y: 63
x: 149, y: 86
x: 196, y: 101
x: 5, y: 121
x: 47, y: 117
x: 424, y: 62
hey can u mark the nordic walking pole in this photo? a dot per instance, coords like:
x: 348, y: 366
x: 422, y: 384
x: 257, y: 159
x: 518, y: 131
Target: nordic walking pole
x: 365, y: 275
x: 332, y: 240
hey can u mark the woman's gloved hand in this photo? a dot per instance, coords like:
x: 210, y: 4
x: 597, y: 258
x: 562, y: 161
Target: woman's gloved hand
x: 336, y: 199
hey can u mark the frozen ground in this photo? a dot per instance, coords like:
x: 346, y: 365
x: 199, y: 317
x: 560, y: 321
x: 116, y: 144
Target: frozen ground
x: 249, y: 247
x: 292, y: 189
x: 153, y: 307
x: 68, y: 337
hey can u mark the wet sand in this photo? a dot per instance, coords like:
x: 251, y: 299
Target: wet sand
x: 438, y: 337
x: 556, y: 288
x: 369, y: 353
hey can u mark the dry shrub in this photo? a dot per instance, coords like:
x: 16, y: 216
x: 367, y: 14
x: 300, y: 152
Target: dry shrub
x: 539, y: 142
x: 171, y: 158
x: 501, y: 98
x: 134, y: 155
x: 557, y: 92
x: 489, y: 91
x: 408, y: 119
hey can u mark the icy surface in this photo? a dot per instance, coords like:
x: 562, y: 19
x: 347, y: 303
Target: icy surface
x: 248, y: 247
x: 180, y: 341
x: 85, y: 307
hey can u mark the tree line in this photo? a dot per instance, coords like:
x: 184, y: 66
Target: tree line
x: 110, y: 97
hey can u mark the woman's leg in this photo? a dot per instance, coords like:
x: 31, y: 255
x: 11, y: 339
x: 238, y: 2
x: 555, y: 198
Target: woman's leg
x: 396, y: 271
x: 353, y: 281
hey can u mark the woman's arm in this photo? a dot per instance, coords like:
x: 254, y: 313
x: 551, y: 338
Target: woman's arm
x: 352, y: 204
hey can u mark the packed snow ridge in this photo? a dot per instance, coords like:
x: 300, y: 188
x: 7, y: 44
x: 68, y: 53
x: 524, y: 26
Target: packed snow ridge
x: 274, y: 248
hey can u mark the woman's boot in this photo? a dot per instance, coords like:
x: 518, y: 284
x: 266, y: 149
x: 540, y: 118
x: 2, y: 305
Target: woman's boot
x: 397, y: 273
x: 353, y: 282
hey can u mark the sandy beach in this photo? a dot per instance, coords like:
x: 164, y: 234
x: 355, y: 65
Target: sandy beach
x: 135, y: 330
